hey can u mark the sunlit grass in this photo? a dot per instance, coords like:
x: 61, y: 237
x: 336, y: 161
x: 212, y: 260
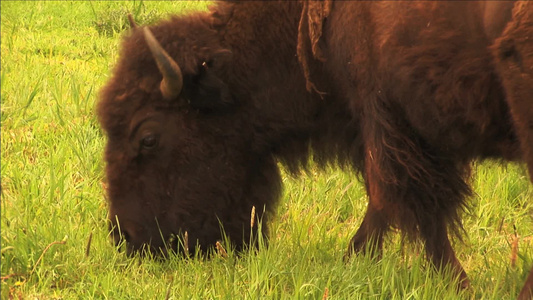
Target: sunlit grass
x: 55, y: 56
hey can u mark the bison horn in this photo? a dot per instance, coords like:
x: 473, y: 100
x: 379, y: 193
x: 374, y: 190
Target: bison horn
x: 172, y: 79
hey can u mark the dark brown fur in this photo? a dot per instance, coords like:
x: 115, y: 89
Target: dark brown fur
x: 513, y: 53
x: 405, y: 94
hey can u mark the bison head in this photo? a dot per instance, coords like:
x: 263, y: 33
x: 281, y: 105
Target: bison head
x: 180, y: 156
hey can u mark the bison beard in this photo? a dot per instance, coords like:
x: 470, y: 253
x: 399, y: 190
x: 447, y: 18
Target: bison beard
x: 405, y: 94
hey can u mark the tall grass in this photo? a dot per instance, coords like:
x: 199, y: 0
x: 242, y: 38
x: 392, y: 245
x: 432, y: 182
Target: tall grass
x: 55, y: 56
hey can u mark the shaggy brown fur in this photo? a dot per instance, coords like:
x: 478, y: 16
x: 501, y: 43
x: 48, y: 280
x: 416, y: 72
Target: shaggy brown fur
x: 513, y: 53
x: 406, y: 94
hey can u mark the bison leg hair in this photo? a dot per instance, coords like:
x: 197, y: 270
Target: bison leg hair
x: 432, y: 228
x: 369, y: 236
x: 411, y: 186
x: 439, y: 248
x: 527, y: 290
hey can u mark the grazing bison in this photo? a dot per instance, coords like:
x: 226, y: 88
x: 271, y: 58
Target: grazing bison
x: 201, y: 107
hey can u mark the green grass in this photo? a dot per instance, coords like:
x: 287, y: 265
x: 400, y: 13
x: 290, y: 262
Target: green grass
x: 55, y: 56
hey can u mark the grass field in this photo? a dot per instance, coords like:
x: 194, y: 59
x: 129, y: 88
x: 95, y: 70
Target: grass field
x: 55, y: 56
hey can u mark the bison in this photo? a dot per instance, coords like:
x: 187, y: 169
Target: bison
x: 200, y: 109
x: 513, y: 53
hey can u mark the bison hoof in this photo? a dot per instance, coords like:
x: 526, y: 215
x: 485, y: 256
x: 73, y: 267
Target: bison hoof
x: 363, y: 246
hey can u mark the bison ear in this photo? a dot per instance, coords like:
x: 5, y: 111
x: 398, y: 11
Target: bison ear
x: 206, y: 90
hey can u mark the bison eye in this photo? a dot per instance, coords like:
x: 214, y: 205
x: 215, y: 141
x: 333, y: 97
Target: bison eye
x: 149, y: 142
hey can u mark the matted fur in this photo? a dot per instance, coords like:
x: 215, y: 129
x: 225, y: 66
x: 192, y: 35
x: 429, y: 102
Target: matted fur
x: 405, y: 94
x: 513, y: 53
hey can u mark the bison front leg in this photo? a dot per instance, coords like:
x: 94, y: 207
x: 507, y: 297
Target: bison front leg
x: 369, y: 236
x: 429, y: 198
x: 429, y: 195
x: 413, y: 187
x: 439, y: 248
